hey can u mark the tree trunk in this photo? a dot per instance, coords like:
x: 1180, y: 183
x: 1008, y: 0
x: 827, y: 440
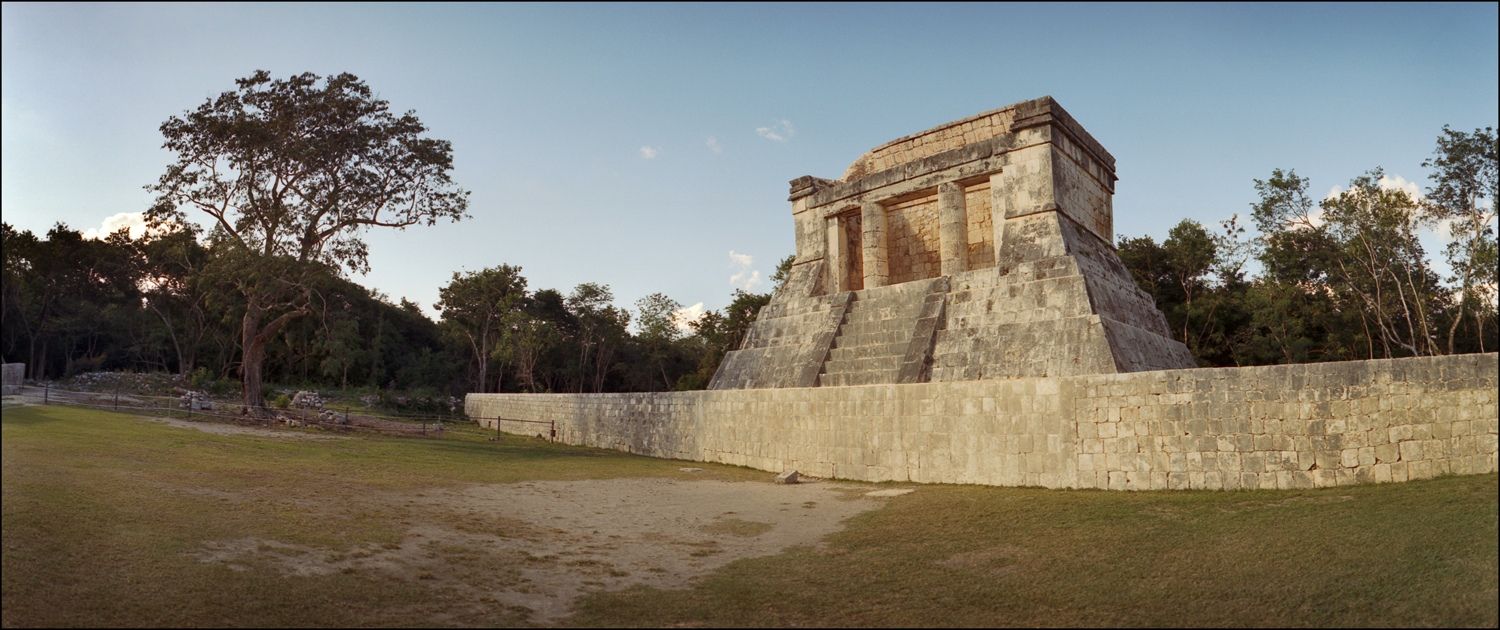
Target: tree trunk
x: 1457, y: 319
x: 253, y: 360
x: 254, y: 338
x: 1479, y: 327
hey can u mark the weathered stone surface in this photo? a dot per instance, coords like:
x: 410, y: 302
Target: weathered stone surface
x: 1285, y: 426
x: 790, y: 476
x: 12, y: 375
x: 1011, y: 211
x: 307, y: 400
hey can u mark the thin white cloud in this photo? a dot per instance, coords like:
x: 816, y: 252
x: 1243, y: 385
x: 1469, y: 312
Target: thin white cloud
x: 649, y: 152
x: 746, y: 280
x: 1386, y: 182
x: 780, y: 131
x: 1397, y: 182
x: 134, y: 221
x: 684, y: 317
x: 744, y: 277
x: 713, y: 145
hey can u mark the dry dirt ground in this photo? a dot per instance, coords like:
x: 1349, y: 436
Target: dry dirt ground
x: 217, y: 428
x: 538, y: 545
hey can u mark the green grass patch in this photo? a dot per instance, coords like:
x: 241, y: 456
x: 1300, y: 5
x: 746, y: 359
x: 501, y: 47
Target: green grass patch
x: 103, y: 513
x: 105, y: 518
x: 1414, y: 554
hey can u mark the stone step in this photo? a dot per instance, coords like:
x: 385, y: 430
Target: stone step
x: 878, y: 364
x: 810, y: 316
x: 857, y: 378
x: 882, y: 314
x: 777, y: 342
x: 871, y: 339
x: 788, y: 329
x: 860, y: 352
x: 881, y: 326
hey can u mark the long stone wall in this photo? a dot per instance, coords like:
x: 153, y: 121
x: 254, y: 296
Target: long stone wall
x: 1292, y: 426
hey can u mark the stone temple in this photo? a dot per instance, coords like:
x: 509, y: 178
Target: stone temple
x: 956, y: 313
x: 979, y: 249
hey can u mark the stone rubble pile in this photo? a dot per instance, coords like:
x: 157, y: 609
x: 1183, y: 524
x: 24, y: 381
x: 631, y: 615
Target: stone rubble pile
x: 195, y: 401
x: 307, y: 400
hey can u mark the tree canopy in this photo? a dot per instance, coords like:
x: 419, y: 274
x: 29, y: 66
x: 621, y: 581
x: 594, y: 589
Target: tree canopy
x: 291, y: 172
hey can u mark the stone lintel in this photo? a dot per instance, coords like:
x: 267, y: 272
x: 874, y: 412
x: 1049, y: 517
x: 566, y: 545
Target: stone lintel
x: 943, y: 161
x: 1046, y: 110
x: 807, y: 185
x: 901, y: 189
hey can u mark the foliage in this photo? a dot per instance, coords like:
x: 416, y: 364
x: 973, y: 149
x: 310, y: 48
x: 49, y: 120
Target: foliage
x: 1466, y: 185
x: 1337, y: 279
x: 1344, y: 278
x: 1421, y: 553
x: 480, y: 308
x: 292, y: 171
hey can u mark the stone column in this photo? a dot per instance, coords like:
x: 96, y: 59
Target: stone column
x: 838, y: 258
x: 953, y: 229
x: 997, y: 213
x: 872, y: 240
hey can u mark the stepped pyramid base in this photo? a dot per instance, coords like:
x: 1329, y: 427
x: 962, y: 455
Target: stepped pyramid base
x: 995, y: 229
x: 1060, y: 303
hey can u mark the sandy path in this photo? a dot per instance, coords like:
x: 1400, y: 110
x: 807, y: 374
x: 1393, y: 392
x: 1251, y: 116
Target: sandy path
x: 218, y: 428
x: 540, y: 545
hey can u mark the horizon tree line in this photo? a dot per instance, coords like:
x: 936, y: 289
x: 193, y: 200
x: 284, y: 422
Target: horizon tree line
x: 292, y: 172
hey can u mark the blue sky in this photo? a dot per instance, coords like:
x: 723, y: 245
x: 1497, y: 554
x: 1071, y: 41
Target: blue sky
x: 584, y: 131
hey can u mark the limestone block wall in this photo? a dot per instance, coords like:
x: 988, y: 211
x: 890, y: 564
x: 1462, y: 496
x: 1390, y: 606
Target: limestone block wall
x: 912, y: 239
x: 981, y: 226
x: 1300, y: 426
x: 1296, y: 426
x: 931, y: 142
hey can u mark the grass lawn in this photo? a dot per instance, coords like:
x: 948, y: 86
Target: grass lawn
x: 106, y: 519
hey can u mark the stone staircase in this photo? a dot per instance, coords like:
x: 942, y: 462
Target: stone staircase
x: 886, y: 335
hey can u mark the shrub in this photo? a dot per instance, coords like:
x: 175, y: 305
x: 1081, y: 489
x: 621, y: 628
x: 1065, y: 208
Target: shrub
x: 201, y: 378
x: 282, y: 402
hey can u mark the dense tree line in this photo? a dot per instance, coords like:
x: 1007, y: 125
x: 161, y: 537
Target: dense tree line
x: 515, y: 339
x: 166, y: 302
x: 291, y: 173
x: 1342, y: 278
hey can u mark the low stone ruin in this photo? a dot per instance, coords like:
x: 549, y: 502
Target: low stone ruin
x: 307, y: 400
x: 194, y: 401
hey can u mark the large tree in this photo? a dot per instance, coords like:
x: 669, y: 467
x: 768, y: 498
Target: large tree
x: 292, y: 172
x: 601, y: 332
x: 482, y: 308
x: 1466, y: 183
x: 656, y: 317
x: 1382, y: 263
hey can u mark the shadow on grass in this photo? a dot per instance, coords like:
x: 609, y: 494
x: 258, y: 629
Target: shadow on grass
x: 33, y: 415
